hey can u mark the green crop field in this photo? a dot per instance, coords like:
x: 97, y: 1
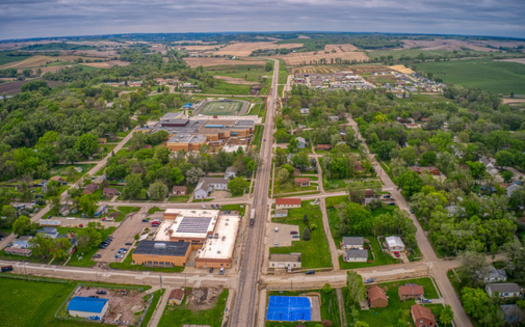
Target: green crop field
x: 221, y: 108
x: 495, y: 76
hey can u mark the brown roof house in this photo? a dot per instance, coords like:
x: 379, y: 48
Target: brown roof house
x: 376, y: 297
x: 286, y: 203
x: 176, y: 297
x: 180, y: 190
x: 302, y: 181
x: 110, y: 192
x: 422, y: 316
x: 324, y: 147
x: 89, y: 189
x: 410, y: 291
x: 431, y: 170
x: 58, y: 179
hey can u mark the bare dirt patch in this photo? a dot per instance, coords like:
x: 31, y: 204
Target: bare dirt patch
x: 402, y: 69
x: 331, y: 52
x: 511, y: 100
x: 14, y: 87
x: 445, y: 44
x: 37, y: 61
x: 203, y: 298
x: 234, y: 80
x: 518, y: 60
x: 211, y: 61
x: 243, y: 49
x: 107, y: 64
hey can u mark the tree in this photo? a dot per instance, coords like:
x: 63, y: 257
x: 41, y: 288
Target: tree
x: 447, y: 315
x: 507, y: 176
x: 504, y: 158
x: 306, y: 234
x: 88, y: 238
x: 327, y: 288
x: 157, y: 191
x: 409, y: 155
x: 42, y: 245
x: 292, y: 145
x: 238, y: 185
x: 447, y: 162
x: 410, y: 182
x: 305, y: 219
x: 87, y: 144
x: 282, y: 175
x: 61, y: 248
x: 471, y: 262
x: 356, y: 288
x: 363, y: 323
x: 10, y: 214
x: 354, y: 219
x: 194, y: 174
x: 88, y: 204
x: 301, y: 161
x: 163, y: 155
x: 133, y: 186
x: 477, y: 169
x: 24, y: 226
x: 428, y: 159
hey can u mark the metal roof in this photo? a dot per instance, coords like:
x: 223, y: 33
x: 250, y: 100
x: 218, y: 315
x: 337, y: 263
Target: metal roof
x: 86, y: 304
x: 177, y: 249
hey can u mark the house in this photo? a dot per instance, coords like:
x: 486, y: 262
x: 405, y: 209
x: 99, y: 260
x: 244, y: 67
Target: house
x: 394, y: 243
x: 72, y: 241
x: 18, y: 251
x: 489, y: 164
x: 110, y: 192
x: 410, y: 291
x: 288, y: 261
x: 22, y: 242
x: 231, y: 172
x: 324, y: 147
x: 333, y: 118
x: 304, y: 111
x: 512, y: 312
x: 301, y: 142
x: 49, y: 232
x: 179, y: 190
x: 422, y: 316
x: 302, y: 181
x: 369, y: 196
x: 100, y: 179
x: 352, y: 243
x: 58, y: 179
x: 88, y: 307
x: 511, y: 189
x: 89, y: 189
x: 287, y: 203
x: 491, y: 274
x: 281, y: 213
x: 176, y: 297
x: 505, y: 290
x: 208, y: 184
x: 355, y: 255
x: 431, y: 170
x: 376, y: 297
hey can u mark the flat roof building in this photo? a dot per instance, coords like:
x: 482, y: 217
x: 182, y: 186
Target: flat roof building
x: 187, y: 225
x: 87, y: 307
x: 218, y: 250
x: 280, y: 260
x: 161, y: 254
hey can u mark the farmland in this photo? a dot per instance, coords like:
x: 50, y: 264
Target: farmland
x: 495, y: 76
x: 37, y: 61
x: 332, y: 52
x: 327, y: 69
x: 245, y: 49
x: 211, y: 61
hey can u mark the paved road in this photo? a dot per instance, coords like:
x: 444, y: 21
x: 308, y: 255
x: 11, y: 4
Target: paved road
x: 244, y: 311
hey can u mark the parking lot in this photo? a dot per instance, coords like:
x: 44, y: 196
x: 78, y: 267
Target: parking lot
x: 283, y: 236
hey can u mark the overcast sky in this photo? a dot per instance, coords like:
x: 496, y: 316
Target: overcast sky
x: 44, y: 18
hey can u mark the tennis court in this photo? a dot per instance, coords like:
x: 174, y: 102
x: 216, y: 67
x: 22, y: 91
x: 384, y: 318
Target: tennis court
x: 221, y: 108
x: 289, y: 308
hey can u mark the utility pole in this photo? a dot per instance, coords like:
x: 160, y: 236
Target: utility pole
x: 160, y: 279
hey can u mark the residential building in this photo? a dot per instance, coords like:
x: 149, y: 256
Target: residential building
x: 491, y: 274
x: 355, y: 255
x: 489, y: 164
x: 505, y: 290
x: 49, y: 232
x: 176, y: 297
x: 431, y: 170
x: 287, y: 203
x: 301, y: 142
x: 513, y: 314
x: 369, y: 196
x: 22, y: 242
x: 422, y: 316
x: 281, y: 213
x: 209, y: 184
x: 278, y: 260
x: 24, y: 252
x: 58, y: 179
x: 333, y: 118
x: 394, y: 243
x: 302, y: 181
x: 161, y: 254
x: 410, y: 291
x: 352, y: 242
x: 110, y: 192
x: 231, y: 172
x: 376, y: 297
x: 88, y: 307
x: 511, y: 189
x: 304, y: 111
x: 89, y: 189
x: 179, y: 190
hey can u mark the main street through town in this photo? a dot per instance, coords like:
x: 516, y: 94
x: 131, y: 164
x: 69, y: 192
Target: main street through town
x: 248, y: 285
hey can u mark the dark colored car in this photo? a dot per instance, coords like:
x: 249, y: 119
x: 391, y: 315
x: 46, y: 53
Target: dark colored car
x: 128, y: 243
x: 145, y: 221
x: 211, y: 270
x: 102, y: 292
x: 310, y: 272
x: 369, y: 280
x: 93, y: 296
x: 294, y: 232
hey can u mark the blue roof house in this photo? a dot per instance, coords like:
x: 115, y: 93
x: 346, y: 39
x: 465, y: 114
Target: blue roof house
x: 87, y: 307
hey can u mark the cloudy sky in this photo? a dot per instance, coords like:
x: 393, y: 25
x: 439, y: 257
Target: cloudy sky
x: 43, y: 18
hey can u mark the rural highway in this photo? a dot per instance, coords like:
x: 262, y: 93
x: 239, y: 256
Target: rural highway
x: 246, y: 297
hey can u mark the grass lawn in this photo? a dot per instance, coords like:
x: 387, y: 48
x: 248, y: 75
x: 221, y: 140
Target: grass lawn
x: 179, y: 198
x: 85, y: 259
x: 233, y: 207
x: 124, y: 211
x: 176, y: 316
x: 153, y: 305
x: 329, y: 309
x: 221, y: 87
x: 153, y: 210
x: 396, y: 310
x: 495, y: 76
x: 5, y: 57
x: 126, y: 265
x: 315, y: 253
x: 221, y: 108
x: 258, y: 136
x: 381, y: 258
x: 289, y: 187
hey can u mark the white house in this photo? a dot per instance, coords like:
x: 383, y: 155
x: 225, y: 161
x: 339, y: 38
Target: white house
x: 301, y: 142
x: 304, y: 111
x: 208, y: 184
x: 231, y: 172
x: 511, y: 189
x: 394, y: 243
x: 22, y: 242
x: 352, y: 243
x: 87, y: 307
x: 491, y: 274
x: 355, y: 255
x: 505, y: 290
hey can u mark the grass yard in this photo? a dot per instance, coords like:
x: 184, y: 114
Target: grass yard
x: 7, y: 57
x: 176, y: 316
x: 127, y: 265
x: 257, y: 136
x: 329, y: 309
x: 179, y: 198
x: 153, y: 210
x: 495, y: 76
x: 153, y: 306
x: 396, y: 311
x: 85, y: 260
x: 315, y: 253
x: 221, y: 108
x: 289, y: 187
x: 222, y: 87
x: 233, y: 207
x: 124, y: 211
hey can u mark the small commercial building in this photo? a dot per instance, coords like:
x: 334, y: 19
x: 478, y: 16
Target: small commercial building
x: 278, y: 260
x: 161, y: 254
x: 410, y: 291
x: 186, y: 142
x: 376, y: 297
x: 87, y: 307
x: 422, y: 316
x: 351, y: 242
x: 504, y: 290
x: 176, y: 297
x: 355, y: 255
x: 394, y: 243
x: 287, y: 203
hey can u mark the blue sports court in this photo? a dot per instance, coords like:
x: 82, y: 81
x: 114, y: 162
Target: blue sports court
x: 289, y: 308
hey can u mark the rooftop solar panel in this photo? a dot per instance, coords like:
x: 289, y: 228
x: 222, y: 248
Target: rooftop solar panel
x: 196, y: 225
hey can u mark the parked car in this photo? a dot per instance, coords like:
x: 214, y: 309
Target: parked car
x: 145, y: 220
x: 211, y: 270
x: 218, y: 206
x: 203, y: 206
x: 213, y: 206
x: 369, y: 280
x: 310, y: 272
x: 128, y: 243
x: 221, y: 271
x: 397, y: 254
x: 426, y: 301
x: 97, y: 256
x: 294, y: 232
x: 93, y: 296
x: 102, y: 292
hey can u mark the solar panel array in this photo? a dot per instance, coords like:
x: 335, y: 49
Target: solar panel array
x: 195, y: 225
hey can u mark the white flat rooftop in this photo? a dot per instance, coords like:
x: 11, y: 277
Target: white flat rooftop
x: 187, y: 224
x: 222, y: 244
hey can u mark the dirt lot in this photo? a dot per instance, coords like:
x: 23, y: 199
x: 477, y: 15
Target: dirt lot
x: 203, y: 298
x: 234, y: 80
x: 198, y: 48
x: 37, y: 61
x: 445, y: 44
x: 518, y: 60
x: 244, y: 49
x: 107, y: 64
x: 331, y: 51
x: 402, y: 69
x: 127, y: 305
x: 327, y: 69
x: 209, y: 61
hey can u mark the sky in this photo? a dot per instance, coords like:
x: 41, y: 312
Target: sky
x: 47, y: 18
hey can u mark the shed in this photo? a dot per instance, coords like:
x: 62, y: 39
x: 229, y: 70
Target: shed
x: 176, y: 297
x: 87, y: 307
x: 281, y: 213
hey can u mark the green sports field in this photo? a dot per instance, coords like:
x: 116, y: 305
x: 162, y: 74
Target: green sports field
x: 495, y: 76
x: 221, y: 108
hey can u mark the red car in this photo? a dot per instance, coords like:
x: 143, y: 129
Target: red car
x: 397, y: 254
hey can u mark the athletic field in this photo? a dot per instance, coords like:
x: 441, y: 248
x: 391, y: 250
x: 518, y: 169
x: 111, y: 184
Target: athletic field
x: 221, y: 108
